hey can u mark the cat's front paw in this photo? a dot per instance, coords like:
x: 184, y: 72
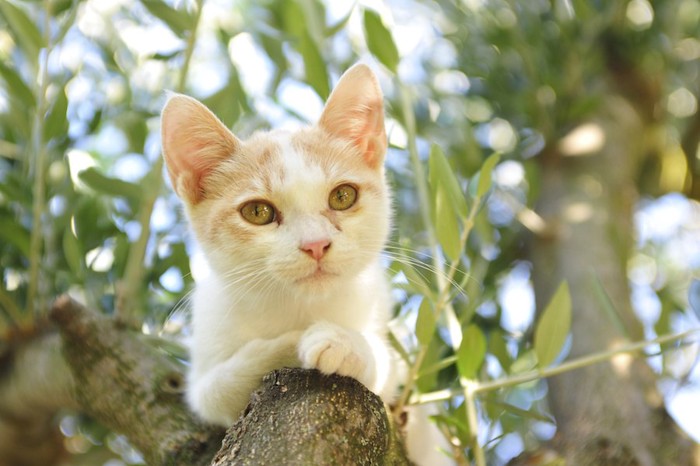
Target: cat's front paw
x: 335, y: 350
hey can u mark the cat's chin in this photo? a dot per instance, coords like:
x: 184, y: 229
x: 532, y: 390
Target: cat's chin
x: 319, y: 283
x: 319, y: 277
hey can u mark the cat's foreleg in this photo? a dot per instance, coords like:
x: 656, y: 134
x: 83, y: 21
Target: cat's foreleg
x: 333, y: 349
x: 220, y: 394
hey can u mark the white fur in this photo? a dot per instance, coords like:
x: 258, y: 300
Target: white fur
x: 268, y: 304
x: 251, y: 324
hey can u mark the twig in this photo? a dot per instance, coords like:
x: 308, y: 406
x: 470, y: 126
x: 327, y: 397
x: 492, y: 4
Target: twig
x: 34, y: 303
x: 469, y: 390
x: 578, y: 363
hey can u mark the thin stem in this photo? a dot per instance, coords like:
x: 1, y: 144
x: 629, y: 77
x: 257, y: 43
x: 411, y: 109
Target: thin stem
x: 189, y: 50
x: 411, y: 379
x: 581, y: 362
x: 34, y: 301
x: 132, y: 281
x: 438, y: 366
x: 444, y: 279
x: 424, y: 207
x: 443, y: 303
x: 420, y: 178
x: 469, y: 390
x: 578, y: 363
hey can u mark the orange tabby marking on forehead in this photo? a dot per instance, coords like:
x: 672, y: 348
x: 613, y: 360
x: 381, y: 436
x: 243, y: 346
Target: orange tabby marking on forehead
x: 256, y: 165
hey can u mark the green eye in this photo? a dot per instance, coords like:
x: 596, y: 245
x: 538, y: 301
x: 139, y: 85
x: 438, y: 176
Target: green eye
x: 258, y: 212
x: 343, y: 197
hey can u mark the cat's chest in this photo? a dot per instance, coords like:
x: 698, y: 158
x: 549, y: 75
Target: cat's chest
x: 242, y: 317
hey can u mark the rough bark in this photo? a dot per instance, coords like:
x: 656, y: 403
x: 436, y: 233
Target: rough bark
x: 301, y: 417
x: 132, y: 387
x: 612, y: 413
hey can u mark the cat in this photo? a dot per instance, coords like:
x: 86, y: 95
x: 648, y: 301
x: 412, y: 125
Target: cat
x: 292, y: 225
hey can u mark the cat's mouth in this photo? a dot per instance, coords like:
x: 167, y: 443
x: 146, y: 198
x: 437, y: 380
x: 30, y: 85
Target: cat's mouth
x: 320, y: 274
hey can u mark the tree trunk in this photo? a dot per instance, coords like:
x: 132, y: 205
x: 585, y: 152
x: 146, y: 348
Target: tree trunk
x: 302, y: 417
x: 610, y: 413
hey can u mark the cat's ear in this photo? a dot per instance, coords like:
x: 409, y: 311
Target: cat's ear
x: 355, y: 112
x: 194, y: 143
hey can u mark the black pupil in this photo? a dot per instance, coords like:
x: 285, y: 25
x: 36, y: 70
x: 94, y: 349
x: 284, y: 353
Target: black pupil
x: 342, y: 194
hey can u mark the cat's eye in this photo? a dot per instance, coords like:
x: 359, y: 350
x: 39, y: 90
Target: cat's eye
x: 342, y: 197
x: 258, y: 212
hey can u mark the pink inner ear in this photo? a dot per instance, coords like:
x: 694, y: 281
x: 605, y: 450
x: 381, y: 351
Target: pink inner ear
x: 372, y: 137
x: 355, y: 112
x: 194, y: 143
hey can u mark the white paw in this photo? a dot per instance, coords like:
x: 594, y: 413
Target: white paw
x: 335, y: 350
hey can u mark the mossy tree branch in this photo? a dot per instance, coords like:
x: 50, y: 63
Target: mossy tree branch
x: 132, y: 387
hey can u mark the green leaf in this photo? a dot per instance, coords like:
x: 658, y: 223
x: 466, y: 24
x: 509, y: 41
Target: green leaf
x: 398, y: 347
x: 485, y: 174
x: 72, y: 252
x: 445, y: 175
x: 314, y: 20
x: 427, y: 380
x: 525, y: 362
x: 339, y: 25
x: 24, y: 30
x: 56, y: 120
x: 135, y: 128
x: 177, y: 20
x: 448, y: 203
x: 229, y: 102
x: 471, y: 353
x: 446, y: 226
x: 425, y: 323
x: 553, y: 327
x: 110, y: 186
x: 379, y: 41
x: 17, y: 87
x: 15, y: 234
x: 315, y: 66
x: 59, y: 6
x: 497, y: 347
x: 528, y: 414
x: 294, y: 22
x: 457, y: 422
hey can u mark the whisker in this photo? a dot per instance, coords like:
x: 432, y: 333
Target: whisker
x: 389, y: 251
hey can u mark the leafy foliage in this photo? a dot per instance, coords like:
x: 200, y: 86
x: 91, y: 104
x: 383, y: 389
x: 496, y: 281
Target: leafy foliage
x: 478, y: 93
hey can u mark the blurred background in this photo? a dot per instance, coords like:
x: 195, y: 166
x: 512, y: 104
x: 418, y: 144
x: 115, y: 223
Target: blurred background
x: 592, y: 106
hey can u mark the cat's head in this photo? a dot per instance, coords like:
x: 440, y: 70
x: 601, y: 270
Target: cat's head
x: 299, y: 210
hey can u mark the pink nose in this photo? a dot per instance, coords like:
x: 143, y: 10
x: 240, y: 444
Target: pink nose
x: 316, y: 249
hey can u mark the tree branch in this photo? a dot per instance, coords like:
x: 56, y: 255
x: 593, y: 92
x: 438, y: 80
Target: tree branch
x: 132, y: 387
x: 304, y: 417
x: 97, y: 365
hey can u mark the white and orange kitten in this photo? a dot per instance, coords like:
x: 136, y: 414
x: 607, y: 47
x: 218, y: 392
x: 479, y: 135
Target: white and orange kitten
x: 292, y: 225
